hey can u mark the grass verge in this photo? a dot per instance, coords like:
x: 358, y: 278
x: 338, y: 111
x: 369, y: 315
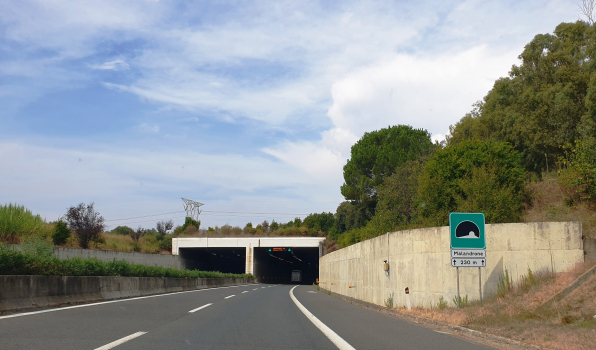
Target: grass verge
x: 17, y: 263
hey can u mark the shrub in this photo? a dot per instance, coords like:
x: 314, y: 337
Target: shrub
x: 17, y: 222
x: 17, y: 263
x: 581, y: 169
x: 122, y: 230
x: 87, y: 223
x: 442, y: 303
x: 37, y: 246
x: 136, y: 235
x: 61, y: 233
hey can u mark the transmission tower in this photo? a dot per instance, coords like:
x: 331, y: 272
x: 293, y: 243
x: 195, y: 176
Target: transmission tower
x: 193, y: 209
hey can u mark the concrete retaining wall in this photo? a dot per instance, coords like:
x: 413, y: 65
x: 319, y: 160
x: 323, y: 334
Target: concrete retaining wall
x: 173, y: 261
x: 420, y: 259
x: 25, y: 292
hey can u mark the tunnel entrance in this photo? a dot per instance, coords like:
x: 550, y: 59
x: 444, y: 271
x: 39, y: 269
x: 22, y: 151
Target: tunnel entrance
x: 226, y: 260
x: 275, y: 265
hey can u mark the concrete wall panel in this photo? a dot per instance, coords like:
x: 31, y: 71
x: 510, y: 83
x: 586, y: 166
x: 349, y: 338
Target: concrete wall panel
x: 420, y: 259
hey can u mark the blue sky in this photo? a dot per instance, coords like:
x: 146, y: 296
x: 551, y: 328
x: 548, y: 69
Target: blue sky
x: 246, y: 106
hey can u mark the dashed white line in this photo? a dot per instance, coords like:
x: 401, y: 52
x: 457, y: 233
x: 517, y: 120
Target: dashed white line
x: 229, y: 296
x: 120, y: 341
x: 255, y: 288
x: 110, y: 302
x: 199, y: 308
x: 245, y: 292
x: 336, y: 339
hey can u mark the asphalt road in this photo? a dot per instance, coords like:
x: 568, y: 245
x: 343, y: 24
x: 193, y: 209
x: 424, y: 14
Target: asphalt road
x: 243, y: 317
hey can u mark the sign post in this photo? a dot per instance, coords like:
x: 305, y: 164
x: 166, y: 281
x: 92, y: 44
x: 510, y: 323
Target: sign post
x: 468, y: 244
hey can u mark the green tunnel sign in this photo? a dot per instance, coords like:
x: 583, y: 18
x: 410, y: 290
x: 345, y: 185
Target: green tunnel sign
x: 467, y: 230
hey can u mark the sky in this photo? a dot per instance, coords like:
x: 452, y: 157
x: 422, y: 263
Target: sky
x: 249, y: 107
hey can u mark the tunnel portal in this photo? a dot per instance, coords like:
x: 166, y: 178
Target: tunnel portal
x: 269, y: 259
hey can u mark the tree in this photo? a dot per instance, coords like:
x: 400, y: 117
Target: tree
x: 61, y: 233
x: 351, y: 215
x: 398, y: 195
x: 122, y: 230
x: 87, y: 223
x: 164, y: 226
x: 375, y: 157
x: 136, y: 235
x: 546, y: 102
x: 274, y: 225
x: 265, y: 226
x: 473, y: 176
x: 320, y: 222
x: 587, y: 9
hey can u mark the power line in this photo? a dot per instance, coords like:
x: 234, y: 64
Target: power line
x: 208, y: 211
x: 146, y: 216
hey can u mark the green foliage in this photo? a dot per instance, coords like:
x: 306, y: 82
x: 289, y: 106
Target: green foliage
x: 274, y: 225
x: 166, y: 244
x: 546, y: 102
x: 505, y: 285
x: 323, y: 222
x: 191, y: 222
x: 581, y: 168
x: 17, y: 263
x: 17, y: 222
x: 37, y: 246
x: 442, y: 303
x: 377, y: 226
x: 472, y: 176
x: 398, y: 195
x: 352, y: 215
x: 463, y: 302
x: 61, y: 233
x: 389, y: 301
x: 375, y: 157
x: 122, y: 230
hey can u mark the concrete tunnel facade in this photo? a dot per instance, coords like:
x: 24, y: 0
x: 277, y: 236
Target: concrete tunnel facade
x: 270, y: 259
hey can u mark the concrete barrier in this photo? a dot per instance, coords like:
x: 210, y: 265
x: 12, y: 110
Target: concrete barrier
x: 27, y: 292
x: 420, y: 259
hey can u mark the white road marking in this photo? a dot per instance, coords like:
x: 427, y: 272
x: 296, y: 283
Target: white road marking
x: 263, y: 287
x: 120, y: 341
x: 199, y: 308
x: 245, y: 292
x: 336, y: 339
x: 110, y: 302
x: 229, y: 296
x: 255, y: 288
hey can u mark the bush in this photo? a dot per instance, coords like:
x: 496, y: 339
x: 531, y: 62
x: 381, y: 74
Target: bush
x: 581, y: 168
x: 17, y: 263
x: 17, y: 222
x: 473, y: 176
x: 123, y: 230
x: 37, y: 246
x: 61, y: 233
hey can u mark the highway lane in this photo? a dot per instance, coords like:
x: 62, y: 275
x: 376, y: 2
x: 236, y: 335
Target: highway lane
x: 244, y: 317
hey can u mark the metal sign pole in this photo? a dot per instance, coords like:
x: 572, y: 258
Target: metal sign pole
x: 480, y: 284
x: 457, y: 269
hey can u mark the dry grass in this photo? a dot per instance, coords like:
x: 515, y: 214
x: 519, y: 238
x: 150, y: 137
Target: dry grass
x: 555, y: 202
x: 567, y: 325
x: 121, y: 243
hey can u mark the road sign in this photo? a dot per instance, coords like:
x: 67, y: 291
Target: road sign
x: 468, y: 253
x: 467, y: 262
x: 467, y: 230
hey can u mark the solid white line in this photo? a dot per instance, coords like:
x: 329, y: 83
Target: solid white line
x: 199, y: 308
x: 120, y: 341
x: 336, y: 339
x: 110, y: 302
x: 229, y: 296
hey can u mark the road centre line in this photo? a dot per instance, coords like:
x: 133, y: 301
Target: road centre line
x: 336, y: 339
x: 255, y: 288
x: 245, y: 292
x: 120, y: 341
x: 199, y: 308
x: 112, y: 301
x: 229, y: 296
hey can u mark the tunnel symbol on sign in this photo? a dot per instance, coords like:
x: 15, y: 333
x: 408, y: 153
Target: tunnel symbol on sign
x: 467, y: 229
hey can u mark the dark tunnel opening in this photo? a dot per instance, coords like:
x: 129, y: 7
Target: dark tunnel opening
x: 227, y: 260
x: 275, y: 265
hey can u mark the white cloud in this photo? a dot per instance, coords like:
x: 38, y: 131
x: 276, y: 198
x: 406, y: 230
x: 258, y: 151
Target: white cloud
x: 112, y: 65
x: 146, y: 128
